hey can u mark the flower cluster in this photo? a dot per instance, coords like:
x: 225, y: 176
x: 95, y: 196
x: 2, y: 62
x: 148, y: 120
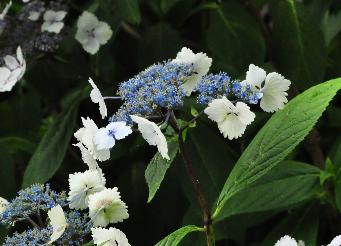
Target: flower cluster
x: 31, y: 201
x: 289, y: 241
x: 213, y: 86
x: 157, y: 87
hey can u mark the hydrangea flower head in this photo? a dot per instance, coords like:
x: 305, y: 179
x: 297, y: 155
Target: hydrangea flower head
x: 152, y: 134
x: 82, y: 185
x: 109, y: 237
x: 272, y: 86
x: 201, y: 63
x: 231, y: 119
x: 107, y: 207
x: 13, y: 70
x: 158, y: 87
x: 53, y: 21
x: 92, y: 33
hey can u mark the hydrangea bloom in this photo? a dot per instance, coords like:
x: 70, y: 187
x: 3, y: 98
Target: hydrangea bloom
x: 29, y: 201
x: 109, y: 237
x: 107, y: 207
x: 213, y: 86
x: 336, y: 241
x: 92, y: 33
x: 231, y: 119
x: 82, y: 185
x: 106, y: 137
x: 157, y: 87
x: 97, y: 97
x: 13, y: 71
x: 57, y: 221
x: 286, y: 241
x: 35, y: 236
x: 201, y: 63
x: 53, y: 21
x: 272, y: 86
x: 86, y: 134
x: 152, y: 134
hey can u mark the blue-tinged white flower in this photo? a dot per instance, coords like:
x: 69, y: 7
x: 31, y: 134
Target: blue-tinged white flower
x: 5, y: 10
x: 273, y: 87
x: 106, y: 137
x: 336, y: 241
x: 82, y: 185
x: 13, y: 70
x: 34, y: 15
x: 201, y: 62
x: 107, y: 207
x: 92, y: 33
x: 86, y: 134
x: 152, y: 134
x: 97, y: 97
x: 3, y: 204
x: 53, y: 21
x: 231, y: 119
x: 58, y: 222
x: 109, y: 237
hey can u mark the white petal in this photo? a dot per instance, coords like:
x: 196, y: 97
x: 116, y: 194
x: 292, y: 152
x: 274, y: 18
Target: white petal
x: 97, y: 97
x: 20, y: 56
x: 246, y: 116
x: 11, y: 62
x: 336, y: 241
x: 274, y: 92
x: 103, y: 139
x: 87, y: 157
x: 286, y: 241
x: 3, y: 204
x: 87, y: 21
x: 33, y: 15
x: 54, y: 16
x: 218, y: 109
x: 103, y: 32
x: 152, y: 134
x: 232, y: 127
x: 119, y: 129
x: 91, y: 46
x: 54, y: 27
x: 4, y: 74
x: 58, y: 222
x: 255, y: 76
x: 109, y: 237
x: 4, y: 12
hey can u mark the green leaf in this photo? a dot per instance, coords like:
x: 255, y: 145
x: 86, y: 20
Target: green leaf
x: 302, y: 56
x: 13, y: 144
x: 158, y: 167
x: 337, y: 189
x: 129, y: 10
x: 52, y: 148
x: 287, y: 185
x: 234, y: 38
x: 331, y: 26
x: 174, y: 238
x: 280, y: 135
x: 194, y: 111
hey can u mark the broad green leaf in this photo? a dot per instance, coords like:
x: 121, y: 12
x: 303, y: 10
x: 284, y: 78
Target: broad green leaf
x: 13, y: 144
x: 52, y: 148
x: 158, y: 167
x: 331, y: 26
x: 302, y: 56
x: 279, y: 136
x: 301, y: 224
x: 287, y: 185
x: 234, y: 38
x: 175, y: 238
x: 129, y: 10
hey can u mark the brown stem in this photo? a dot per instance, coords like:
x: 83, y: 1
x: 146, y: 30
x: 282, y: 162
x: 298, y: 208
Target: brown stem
x: 191, y: 174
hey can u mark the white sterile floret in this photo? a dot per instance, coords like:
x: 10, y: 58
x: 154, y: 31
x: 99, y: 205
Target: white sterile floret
x: 92, y: 33
x: 231, y: 119
x: 33, y: 15
x: 58, y: 223
x: 107, y: 207
x: 152, y: 134
x: 336, y: 241
x: 12, y: 71
x: 106, y: 137
x: 53, y: 21
x: 82, y: 185
x: 286, y: 241
x: 3, y: 204
x: 86, y: 134
x: 109, y: 237
x: 97, y: 97
x: 201, y: 62
x: 5, y: 10
x: 273, y: 87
